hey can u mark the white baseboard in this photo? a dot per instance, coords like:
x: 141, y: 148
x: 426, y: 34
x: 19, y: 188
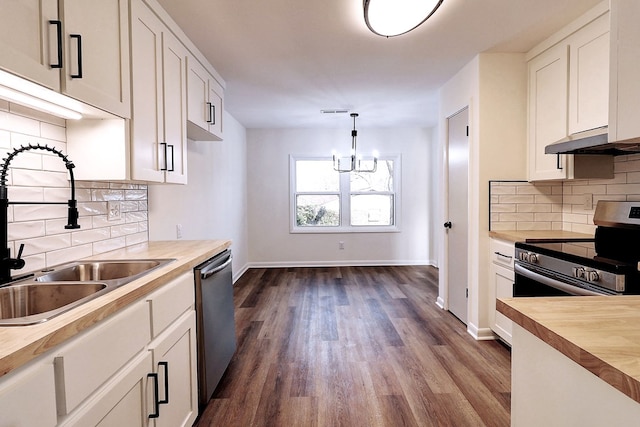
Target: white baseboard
x: 440, y: 302
x: 480, y: 334
x: 346, y: 263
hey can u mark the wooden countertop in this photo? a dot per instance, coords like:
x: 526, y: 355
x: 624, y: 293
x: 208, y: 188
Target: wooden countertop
x: 20, y: 344
x: 601, y: 334
x: 530, y: 235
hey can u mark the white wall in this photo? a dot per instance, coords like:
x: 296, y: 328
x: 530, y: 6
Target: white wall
x: 271, y: 243
x: 494, y: 87
x: 213, y: 203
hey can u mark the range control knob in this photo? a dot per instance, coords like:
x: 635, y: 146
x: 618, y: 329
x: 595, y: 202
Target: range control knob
x: 579, y: 272
x: 592, y: 276
x: 533, y: 258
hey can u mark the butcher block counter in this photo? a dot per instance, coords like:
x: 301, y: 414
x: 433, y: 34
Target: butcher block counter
x: 21, y: 344
x: 579, y: 355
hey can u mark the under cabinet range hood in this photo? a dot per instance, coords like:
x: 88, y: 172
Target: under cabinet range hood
x: 594, y: 141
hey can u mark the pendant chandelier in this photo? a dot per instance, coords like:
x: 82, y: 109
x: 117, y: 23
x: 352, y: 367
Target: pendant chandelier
x: 353, y: 161
x: 389, y: 18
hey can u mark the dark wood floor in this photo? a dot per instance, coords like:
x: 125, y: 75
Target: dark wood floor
x: 355, y: 346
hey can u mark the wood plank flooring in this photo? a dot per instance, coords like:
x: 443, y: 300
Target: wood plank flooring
x: 355, y: 346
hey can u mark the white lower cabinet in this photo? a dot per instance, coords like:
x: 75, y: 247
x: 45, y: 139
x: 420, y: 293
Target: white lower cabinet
x: 116, y: 373
x: 27, y: 396
x: 121, y: 402
x: 501, y: 285
x: 174, y: 361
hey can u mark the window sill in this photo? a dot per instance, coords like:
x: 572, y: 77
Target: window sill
x: 344, y: 230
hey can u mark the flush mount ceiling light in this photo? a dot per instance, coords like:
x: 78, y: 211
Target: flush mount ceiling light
x: 353, y: 161
x: 389, y: 18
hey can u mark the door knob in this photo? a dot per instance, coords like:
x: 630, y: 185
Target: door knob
x: 447, y: 224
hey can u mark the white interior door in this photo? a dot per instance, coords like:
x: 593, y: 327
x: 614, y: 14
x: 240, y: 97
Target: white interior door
x: 456, y: 226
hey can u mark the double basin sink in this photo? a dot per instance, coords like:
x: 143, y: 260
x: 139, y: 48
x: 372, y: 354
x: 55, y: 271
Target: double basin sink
x: 51, y: 292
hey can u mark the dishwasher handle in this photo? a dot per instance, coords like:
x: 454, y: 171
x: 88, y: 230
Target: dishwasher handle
x: 213, y: 267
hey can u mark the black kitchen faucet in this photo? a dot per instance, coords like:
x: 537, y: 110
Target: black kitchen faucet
x: 6, y: 262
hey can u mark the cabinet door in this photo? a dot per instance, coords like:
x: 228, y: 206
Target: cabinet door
x: 198, y: 94
x: 503, y: 283
x: 124, y: 401
x: 215, y: 105
x: 27, y: 397
x: 28, y: 42
x: 146, y: 124
x: 624, y: 82
x: 204, y: 103
x: 548, y: 85
x: 175, y: 108
x: 589, y: 76
x: 96, y: 40
x: 175, y: 361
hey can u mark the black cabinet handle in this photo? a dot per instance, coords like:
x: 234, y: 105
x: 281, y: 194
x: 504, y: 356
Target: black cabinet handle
x: 172, y: 159
x: 156, y: 402
x: 503, y: 255
x: 165, y: 157
x: 213, y: 114
x: 78, y: 37
x: 58, y: 25
x: 447, y: 224
x: 558, y: 166
x: 211, y: 118
x: 166, y: 382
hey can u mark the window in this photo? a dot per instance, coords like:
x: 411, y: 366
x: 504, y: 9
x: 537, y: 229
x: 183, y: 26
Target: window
x: 323, y: 200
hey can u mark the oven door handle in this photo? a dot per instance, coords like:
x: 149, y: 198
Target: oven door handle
x: 570, y: 289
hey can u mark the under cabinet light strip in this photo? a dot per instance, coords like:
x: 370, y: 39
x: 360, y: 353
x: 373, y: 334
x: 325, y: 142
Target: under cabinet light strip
x: 20, y: 91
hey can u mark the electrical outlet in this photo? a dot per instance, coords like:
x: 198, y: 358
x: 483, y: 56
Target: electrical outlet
x: 179, y: 231
x: 114, y: 212
x: 587, y: 203
x: 341, y: 245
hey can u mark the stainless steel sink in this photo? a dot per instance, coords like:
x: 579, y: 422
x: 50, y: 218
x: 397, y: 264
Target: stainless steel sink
x: 100, y: 270
x: 29, y: 303
x: 51, y: 292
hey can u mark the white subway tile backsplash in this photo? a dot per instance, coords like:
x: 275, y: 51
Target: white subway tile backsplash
x: 563, y: 207
x: 26, y: 230
x: 134, y: 239
x: 69, y: 254
x: 34, y: 212
x: 25, y: 194
x: 40, y: 245
x: 53, y: 132
x: 39, y: 175
x: 39, y: 178
x: 90, y: 236
x: 109, y: 245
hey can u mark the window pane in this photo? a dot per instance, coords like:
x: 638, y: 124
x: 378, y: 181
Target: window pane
x: 318, y: 210
x: 372, y: 209
x: 316, y: 175
x: 380, y: 180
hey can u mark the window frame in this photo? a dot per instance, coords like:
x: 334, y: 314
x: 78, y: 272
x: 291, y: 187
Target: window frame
x: 344, y: 195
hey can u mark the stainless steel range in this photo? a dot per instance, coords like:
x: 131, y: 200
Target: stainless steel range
x: 605, y: 265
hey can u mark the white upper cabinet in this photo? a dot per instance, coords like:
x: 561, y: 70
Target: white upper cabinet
x: 589, y: 76
x: 204, y: 103
x: 29, y: 35
x: 624, y: 95
x: 96, y: 42
x: 77, y: 47
x: 568, y: 94
x: 548, y: 107
x: 158, y: 137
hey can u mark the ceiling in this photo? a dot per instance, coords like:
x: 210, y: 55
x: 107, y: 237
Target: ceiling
x: 285, y: 60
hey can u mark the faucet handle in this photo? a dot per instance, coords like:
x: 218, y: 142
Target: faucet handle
x: 17, y: 263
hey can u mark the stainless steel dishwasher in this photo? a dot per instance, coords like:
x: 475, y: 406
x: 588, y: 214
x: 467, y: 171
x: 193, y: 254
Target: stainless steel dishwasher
x: 215, y: 322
